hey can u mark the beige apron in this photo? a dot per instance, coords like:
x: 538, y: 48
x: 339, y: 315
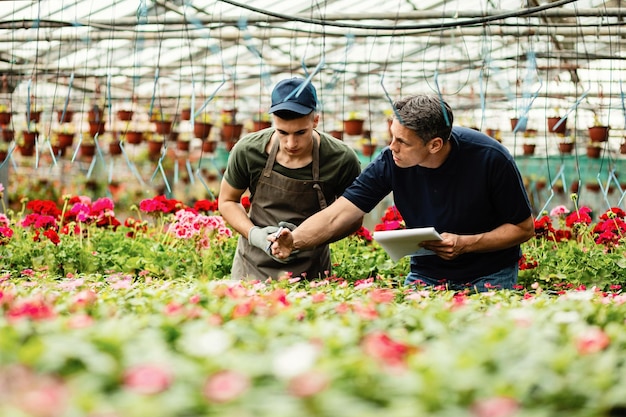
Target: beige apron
x: 280, y: 198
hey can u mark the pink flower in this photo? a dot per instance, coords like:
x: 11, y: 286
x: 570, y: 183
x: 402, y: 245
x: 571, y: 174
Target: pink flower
x: 308, y: 384
x: 147, y: 379
x: 225, y: 386
x: 380, y: 346
x: 591, y: 341
x: 495, y: 407
x: 382, y: 295
x: 85, y: 298
x: 559, y: 211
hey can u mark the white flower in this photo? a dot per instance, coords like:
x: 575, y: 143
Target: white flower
x: 294, y: 360
x: 198, y: 341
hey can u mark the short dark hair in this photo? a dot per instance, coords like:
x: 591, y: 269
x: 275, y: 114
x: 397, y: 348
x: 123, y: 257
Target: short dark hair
x: 424, y: 114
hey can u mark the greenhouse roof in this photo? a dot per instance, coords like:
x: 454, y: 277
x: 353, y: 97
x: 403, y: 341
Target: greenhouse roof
x: 485, y: 57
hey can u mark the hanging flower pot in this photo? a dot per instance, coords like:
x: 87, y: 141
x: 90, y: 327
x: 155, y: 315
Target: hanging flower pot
x: 58, y: 150
x: 34, y: 116
x: 515, y: 121
x: 96, y: 128
x: 622, y: 148
x: 593, y: 151
x: 231, y: 132
x: 65, y: 117
x: 8, y: 135
x: 599, y: 133
x: 552, y: 125
x: 593, y: 187
x: 185, y: 114
x: 566, y: 147
x: 125, y: 115
x: 66, y: 140
x: 27, y: 150
x: 368, y: 149
x: 209, y: 146
x: 154, y: 149
x: 529, y: 148
x: 260, y: 125
x: 87, y: 149
x: 3, y: 156
x: 353, y: 126
x: 30, y: 138
x: 163, y: 127
x: 230, y: 143
x: 95, y: 114
x: 5, y: 117
x: 115, y: 147
x: 336, y: 134
x: 202, y: 130
x: 134, y: 137
x: 182, y: 145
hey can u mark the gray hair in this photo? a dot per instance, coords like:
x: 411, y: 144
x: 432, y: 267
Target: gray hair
x: 424, y: 114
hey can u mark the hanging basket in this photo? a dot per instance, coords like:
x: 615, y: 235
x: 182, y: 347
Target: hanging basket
x: 66, y: 139
x: 594, y: 151
x: 368, y: 149
x: 95, y: 114
x: 336, y: 134
x: 30, y: 138
x: 185, y: 114
x: 528, y: 148
x: 87, y: 150
x: 202, y: 130
x: 353, y: 126
x: 209, y: 146
x: 134, y: 137
x: 552, y: 125
x: 8, y: 135
x: 182, y: 145
x: 65, y: 117
x: 115, y: 147
x: 96, y: 128
x: 5, y: 118
x: 599, y: 133
x: 566, y: 147
x: 125, y: 115
x: 260, y: 125
x: 231, y: 132
x: 34, y: 116
x: 163, y: 127
x: 154, y: 149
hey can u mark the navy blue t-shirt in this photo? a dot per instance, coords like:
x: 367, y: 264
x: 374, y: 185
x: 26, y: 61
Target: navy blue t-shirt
x: 477, y: 189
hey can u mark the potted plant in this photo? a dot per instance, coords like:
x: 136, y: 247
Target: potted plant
x: 125, y: 115
x: 368, y: 144
x: 231, y: 130
x: 65, y: 115
x: 555, y: 124
x: 155, y: 146
x: 528, y: 148
x: 594, y: 149
x: 5, y: 115
x: 65, y: 135
x: 7, y: 134
x: 209, y: 146
x: 565, y: 144
x: 260, y: 121
x: 202, y: 126
x: 115, y: 144
x: 598, y: 132
x: 353, y: 124
x: 87, y: 147
x: 162, y: 122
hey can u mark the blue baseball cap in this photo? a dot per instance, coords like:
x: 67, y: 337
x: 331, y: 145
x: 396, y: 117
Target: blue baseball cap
x: 287, y: 96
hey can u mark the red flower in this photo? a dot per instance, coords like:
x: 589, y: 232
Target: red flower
x: 380, y: 346
x: 245, y: 202
x: 364, y: 234
x: 591, y: 341
x: 206, y: 206
x: 581, y: 216
x: 160, y: 204
x: 46, y: 207
x: 52, y: 235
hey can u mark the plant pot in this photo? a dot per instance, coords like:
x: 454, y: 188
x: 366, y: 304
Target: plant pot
x: 34, y: 116
x: 336, y: 134
x: 134, y: 137
x: 154, y: 149
x: 574, y: 187
x: 230, y: 143
x: 231, y: 132
x: 66, y: 140
x: 185, y: 114
x: 8, y: 135
x: 622, y: 148
x: 592, y: 186
x: 514, y: 122
x: 599, y: 133
x: 353, y: 126
x: 27, y: 150
x: 115, y: 147
x: 65, y: 118
x: 260, y: 125
x: 202, y: 130
x: 96, y: 128
x: 209, y: 146
x: 58, y: 150
x: 30, y: 138
x: 594, y: 151
x: 368, y: 149
x: 3, y: 156
x: 182, y: 145
x: 87, y: 150
x: 163, y: 127
x: 125, y: 115
x: 95, y: 114
x: 528, y: 148
x: 566, y: 147
x: 552, y: 125
x: 5, y: 118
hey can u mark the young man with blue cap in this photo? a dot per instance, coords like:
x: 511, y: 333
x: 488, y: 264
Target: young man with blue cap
x: 291, y: 171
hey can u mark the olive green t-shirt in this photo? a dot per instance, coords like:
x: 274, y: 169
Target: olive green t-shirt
x: 339, y: 164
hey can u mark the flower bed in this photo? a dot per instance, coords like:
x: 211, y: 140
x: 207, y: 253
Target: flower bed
x: 102, y: 317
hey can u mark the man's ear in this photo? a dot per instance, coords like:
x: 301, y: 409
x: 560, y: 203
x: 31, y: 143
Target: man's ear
x: 435, y: 145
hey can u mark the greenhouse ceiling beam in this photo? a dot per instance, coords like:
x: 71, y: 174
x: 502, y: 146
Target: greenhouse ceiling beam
x: 234, y: 35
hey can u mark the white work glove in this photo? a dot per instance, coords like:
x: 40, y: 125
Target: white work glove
x: 257, y: 236
x: 287, y: 225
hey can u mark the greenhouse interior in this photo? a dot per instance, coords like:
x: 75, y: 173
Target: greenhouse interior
x: 139, y: 277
